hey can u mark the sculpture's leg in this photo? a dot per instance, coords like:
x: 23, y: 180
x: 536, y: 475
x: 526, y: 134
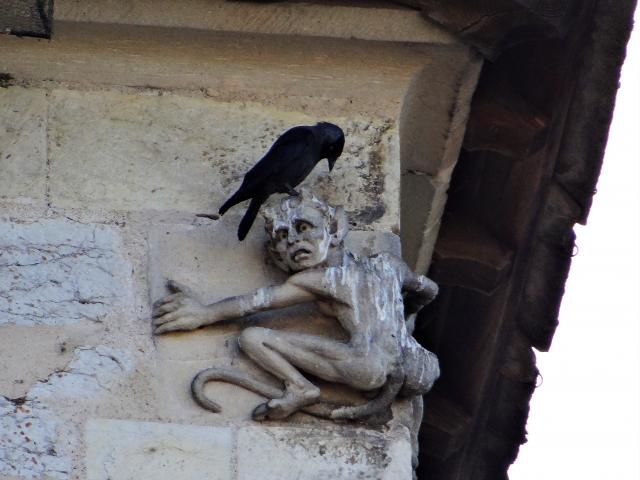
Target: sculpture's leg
x: 280, y: 353
x: 417, y: 407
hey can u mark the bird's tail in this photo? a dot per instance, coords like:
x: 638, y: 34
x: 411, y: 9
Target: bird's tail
x: 249, y: 217
x: 235, y: 199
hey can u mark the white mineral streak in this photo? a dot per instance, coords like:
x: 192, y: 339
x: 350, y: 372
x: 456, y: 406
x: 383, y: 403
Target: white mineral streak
x: 380, y: 288
x: 36, y: 440
x: 57, y: 271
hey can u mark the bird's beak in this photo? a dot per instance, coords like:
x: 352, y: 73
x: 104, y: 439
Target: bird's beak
x: 331, y: 162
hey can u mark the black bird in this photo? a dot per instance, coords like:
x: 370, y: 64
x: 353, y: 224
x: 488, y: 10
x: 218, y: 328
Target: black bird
x: 287, y: 163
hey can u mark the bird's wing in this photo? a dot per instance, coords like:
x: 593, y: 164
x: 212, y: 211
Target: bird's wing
x: 293, y: 145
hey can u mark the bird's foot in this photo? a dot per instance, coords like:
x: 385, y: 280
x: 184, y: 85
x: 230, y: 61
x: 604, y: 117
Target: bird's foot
x: 292, y: 192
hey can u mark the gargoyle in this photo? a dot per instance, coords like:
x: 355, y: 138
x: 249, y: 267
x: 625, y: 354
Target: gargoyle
x: 372, y: 298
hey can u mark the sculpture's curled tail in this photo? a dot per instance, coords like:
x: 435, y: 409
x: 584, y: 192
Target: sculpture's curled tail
x: 321, y: 409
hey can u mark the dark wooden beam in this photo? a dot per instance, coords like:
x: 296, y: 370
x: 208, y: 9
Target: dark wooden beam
x: 507, y: 128
x: 448, y: 427
x: 468, y: 256
x: 495, y: 25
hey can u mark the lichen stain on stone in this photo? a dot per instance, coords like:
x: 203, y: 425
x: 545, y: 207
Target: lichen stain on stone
x: 347, y: 446
x: 374, y: 181
x: 363, y: 193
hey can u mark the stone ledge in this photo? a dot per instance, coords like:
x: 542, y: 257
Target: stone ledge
x: 126, y: 449
x: 388, y: 22
x: 131, y: 449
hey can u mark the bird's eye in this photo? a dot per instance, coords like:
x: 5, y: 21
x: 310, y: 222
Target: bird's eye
x: 282, y: 234
x: 303, y: 226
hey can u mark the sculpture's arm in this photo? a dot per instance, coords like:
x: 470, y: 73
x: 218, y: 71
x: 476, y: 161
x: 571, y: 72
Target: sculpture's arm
x: 182, y: 310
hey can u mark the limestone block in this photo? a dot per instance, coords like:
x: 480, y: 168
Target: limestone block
x: 28, y: 441
x: 55, y: 271
x: 133, y: 450
x: 385, y: 22
x: 321, y: 76
x: 423, y: 201
x: 168, y: 152
x: 39, y: 433
x: 93, y: 371
x: 55, y: 345
x: 435, y: 112
x: 287, y: 453
x: 23, y: 143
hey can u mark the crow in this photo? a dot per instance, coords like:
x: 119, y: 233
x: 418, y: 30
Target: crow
x: 287, y: 163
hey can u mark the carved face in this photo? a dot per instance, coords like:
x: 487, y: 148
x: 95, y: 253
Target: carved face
x: 302, y: 232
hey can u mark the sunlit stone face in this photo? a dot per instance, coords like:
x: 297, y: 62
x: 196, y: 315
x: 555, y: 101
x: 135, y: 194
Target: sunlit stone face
x: 299, y: 233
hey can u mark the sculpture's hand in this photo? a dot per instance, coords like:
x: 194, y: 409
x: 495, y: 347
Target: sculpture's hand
x: 182, y: 310
x: 422, y: 292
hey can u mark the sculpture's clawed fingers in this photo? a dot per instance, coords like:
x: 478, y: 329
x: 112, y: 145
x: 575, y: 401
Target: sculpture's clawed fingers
x: 162, y: 319
x: 175, y: 325
x: 163, y: 308
x: 167, y: 299
x: 177, y: 287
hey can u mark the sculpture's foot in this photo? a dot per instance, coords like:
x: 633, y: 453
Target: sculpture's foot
x: 291, y: 402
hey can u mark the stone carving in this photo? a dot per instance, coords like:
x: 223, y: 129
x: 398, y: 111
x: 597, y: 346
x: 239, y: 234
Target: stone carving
x: 372, y: 298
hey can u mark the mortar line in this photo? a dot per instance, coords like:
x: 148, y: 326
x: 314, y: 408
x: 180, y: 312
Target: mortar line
x: 47, y: 179
x: 235, y: 473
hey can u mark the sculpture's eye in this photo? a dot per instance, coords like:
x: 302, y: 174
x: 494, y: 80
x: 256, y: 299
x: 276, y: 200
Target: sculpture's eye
x: 282, y: 234
x: 303, y: 226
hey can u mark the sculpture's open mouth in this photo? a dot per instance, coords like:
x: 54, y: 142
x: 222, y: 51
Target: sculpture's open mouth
x: 300, y: 254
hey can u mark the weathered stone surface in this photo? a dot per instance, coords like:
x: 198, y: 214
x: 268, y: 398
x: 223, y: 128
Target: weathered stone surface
x: 435, y: 111
x: 132, y: 450
x: 289, y: 453
x: 93, y: 370
x: 423, y: 201
x: 386, y: 22
x: 23, y: 144
x: 323, y: 77
x: 137, y: 152
x: 39, y: 433
x: 28, y: 441
x: 55, y: 271
x: 55, y: 345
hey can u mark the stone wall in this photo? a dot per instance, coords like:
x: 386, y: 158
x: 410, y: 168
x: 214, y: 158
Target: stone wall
x: 112, y: 138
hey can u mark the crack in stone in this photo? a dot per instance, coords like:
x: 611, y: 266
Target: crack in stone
x: 31, y: 432
x: 76, y: 278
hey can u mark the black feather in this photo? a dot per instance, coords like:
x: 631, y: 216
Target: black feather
x: 287, y: 163
x: 249, y: 217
